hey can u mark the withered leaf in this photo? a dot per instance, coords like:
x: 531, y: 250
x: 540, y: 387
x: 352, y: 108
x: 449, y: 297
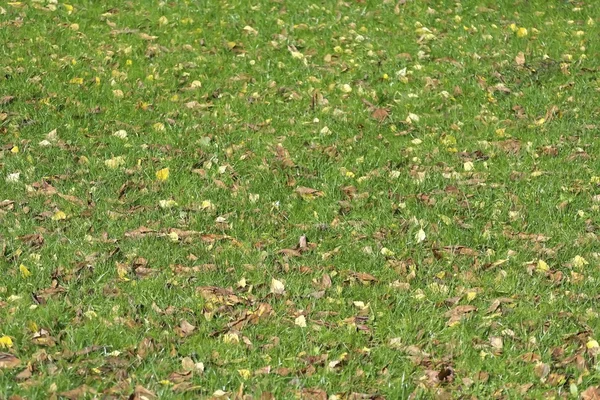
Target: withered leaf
x: 24, y: 375
x: 78, y: 392
x: 541, y: 370
x: 290, y: 252
x: 283, y: 156
x: 313, y: 394
x: 141, y: 393
x: 35, y: 240
x: 308, y: 193
x: 461, y: 250
x: 591, y: 393
x: 263, y: 311
x: 185, y: 329
x: 457, y: 313
x: 363, y: 277
x: 43, y: 338
x: 219, y: 295
x: 6, y: 100
x: 511, y: 146
x: 7, y: 360
x: 72, y: 199
x: 520, y: 59
x: 530, y: 357
x: 140, y: 232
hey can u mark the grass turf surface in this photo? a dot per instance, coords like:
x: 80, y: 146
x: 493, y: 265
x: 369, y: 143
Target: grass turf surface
x: 299, y: 199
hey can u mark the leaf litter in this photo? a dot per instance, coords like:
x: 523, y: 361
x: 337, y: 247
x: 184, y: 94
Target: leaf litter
x: 227, y: 210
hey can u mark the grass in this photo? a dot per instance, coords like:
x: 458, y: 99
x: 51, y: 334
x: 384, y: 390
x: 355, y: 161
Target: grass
x: 439, y: 158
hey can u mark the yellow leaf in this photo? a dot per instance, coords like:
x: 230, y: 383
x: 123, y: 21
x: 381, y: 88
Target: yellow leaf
x: 522, y: 32
x: 59, y: 215
x: 162, y: 174
x: 6, y: 342
x: 231, y: 338
x: 592, y: 344
x: 300, y: 321
x: 14, y: 150
x: 542, y: 266
x: 579, y: 262
x: 244, y: 373
x: 32, y: 326
x: 25, y: 273
x: 173, y: 237
x: 76, y: 81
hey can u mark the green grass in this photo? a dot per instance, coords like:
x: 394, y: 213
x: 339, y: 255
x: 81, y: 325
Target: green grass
x: 245, y: 104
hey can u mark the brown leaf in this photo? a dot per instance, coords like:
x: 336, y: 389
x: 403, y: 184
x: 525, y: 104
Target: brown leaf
x: 43, y: 338
x: 520, y: 59
x: 44, y: 188
x: 511, y: 146
x: 283, y: 156
x: 555, y: 379
x: 7, y: 360
x: 263, y: 311
x: 380, y: 114
x: 185, y: 329
x: 141, y: 393
x: 482, y: 376
x: 461, y: 250
x: 290, y: 252
x: 530, y: 357
x: 541, y: 370
x: 178, y: 377
x: 24, y: 375
x: 313, y: 394
x: 6, y: 100
x: 72, y: 199
x: 457, y: 313
x: 217, y: 295
x: 34, y: 240
x: 363, y: 277
x: 591, y: 393
x: 325, y: 281
x: 140, y: 232
x: 145, y: 348
x: 308, y: 193
x: 78, y: 392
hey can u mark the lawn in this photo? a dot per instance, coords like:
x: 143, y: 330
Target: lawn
x: 293, y: 199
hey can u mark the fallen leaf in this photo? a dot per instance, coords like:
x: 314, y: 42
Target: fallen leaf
x: 308, y: 193
x: 277, y: 287
x: 457, y: 313
x: 185, y: 329
x: 162, y: 174
x: 141, y: 393
x: 78, y: 392
x: 591, y: 393
x: 300, y: 321
x: 6, y: 342
x: 142, y: 231
x: 7, y: 360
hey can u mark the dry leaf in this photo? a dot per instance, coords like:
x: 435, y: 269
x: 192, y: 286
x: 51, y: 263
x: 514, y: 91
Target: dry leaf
x: 7, y: 360
x: 277, y: 287
x: 520, y: 59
